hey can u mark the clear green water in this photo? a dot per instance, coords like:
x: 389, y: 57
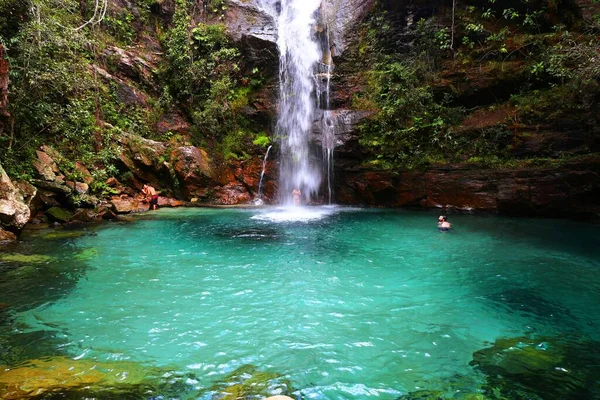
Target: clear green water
x: 351, y: 304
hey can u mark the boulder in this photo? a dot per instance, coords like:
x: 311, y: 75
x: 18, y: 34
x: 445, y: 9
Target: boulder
x: 193, y: 169
x: 14, y: 213
x: 169, y: 202
x: 85, y: 173
x: 58, y: 214
x: 46, y: 166
x: 128, y: 64
x: 77, y: 187
x: 6, y: 236
x: 129, y: 205
x: 232, y: 194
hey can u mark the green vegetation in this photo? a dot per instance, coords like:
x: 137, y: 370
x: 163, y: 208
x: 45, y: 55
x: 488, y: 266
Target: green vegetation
x: 205, y: 73
x: 464, y: 92
x: 68, y: 87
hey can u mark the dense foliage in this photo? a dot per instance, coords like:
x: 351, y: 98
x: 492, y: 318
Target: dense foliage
x: 206, y: 74
x: 67, y: 88
x: 520, y: 57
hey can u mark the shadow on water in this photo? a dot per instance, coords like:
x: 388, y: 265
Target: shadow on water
x: 37, y: 273
x: 530, y: 303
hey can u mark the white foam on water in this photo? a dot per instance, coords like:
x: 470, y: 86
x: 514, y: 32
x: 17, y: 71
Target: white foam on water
x: 296, y: 214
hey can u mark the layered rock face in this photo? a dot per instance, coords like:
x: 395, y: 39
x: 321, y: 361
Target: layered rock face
x: 571, y: 189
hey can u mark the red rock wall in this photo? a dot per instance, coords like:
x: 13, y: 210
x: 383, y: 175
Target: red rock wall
x: 572, y: 189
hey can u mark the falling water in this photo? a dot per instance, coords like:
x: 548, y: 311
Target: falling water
x: 299, y: 55
x: 262, y: 175
x: 327, y: 122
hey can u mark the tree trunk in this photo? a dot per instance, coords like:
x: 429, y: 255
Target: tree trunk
x: 4, y: 115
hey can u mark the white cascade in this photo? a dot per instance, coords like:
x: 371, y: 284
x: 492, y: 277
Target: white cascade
x: 299, y: 55
x: 259, y: 199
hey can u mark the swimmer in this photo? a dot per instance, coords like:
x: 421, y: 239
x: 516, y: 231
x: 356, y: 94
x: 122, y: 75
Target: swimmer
x: 443, y: 224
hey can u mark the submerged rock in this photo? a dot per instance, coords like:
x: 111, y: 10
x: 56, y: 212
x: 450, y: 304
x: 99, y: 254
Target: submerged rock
x: 26, y: 258
x: 59, y: 375
x: 543, y: 368
x: 247, y: 382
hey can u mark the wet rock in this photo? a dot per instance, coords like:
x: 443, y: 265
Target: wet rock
x: 248, y: 382
x: 231, y: 194
x: 129, y: 205
x: 169, y: 202
x: 55, y: 187
x: 540, y: 368
x: 59, y: 375
x: 58, y: 214
x: 339, y: 129
x: 84, y: 215
x: 564, y: 190
x: 26, y: 258
x: 6, y: 236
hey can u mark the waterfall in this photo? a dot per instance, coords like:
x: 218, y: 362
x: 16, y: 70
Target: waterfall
x: 299, y: 57
x: 328, y: 124
x: 262, y: 175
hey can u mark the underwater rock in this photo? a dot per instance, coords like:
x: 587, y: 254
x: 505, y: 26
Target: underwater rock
x: 26, y: 258
x: 247, y: 382
x: 544, y: 368
x: 57, y: 375
x: 86, y: 254
x: 57, y: 235
x: 423, y: 395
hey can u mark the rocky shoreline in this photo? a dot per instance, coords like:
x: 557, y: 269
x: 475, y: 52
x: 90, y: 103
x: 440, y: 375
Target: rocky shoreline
x: 568, y: 190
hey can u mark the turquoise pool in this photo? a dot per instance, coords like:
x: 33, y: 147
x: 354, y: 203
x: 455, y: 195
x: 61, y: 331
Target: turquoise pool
x: 341, y: 303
